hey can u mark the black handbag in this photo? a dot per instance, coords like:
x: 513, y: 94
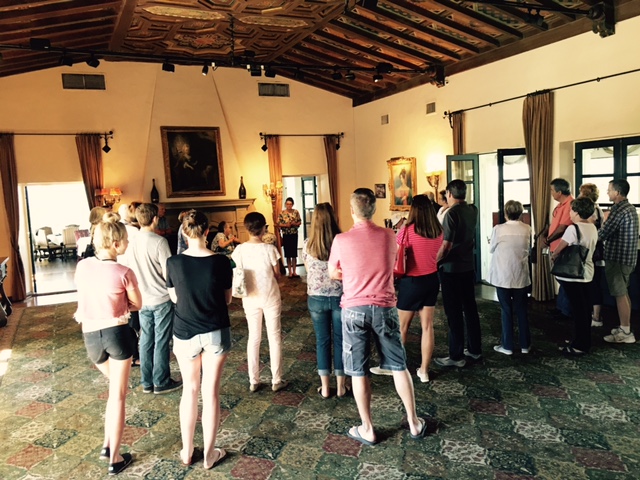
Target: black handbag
x: 570, y: 261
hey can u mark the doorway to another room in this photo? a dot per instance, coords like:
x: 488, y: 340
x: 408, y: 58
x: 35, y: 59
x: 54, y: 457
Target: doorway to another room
x: 304, y: 191
x: 53, y: 214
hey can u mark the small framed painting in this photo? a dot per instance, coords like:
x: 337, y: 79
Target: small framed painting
x: 402, y: 182
x: 381, y: 190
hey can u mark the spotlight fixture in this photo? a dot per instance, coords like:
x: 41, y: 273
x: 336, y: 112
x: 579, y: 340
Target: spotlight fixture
x: 377, y: 78
x: 338, y: 143
x: 350, y: 76
x: 269, y: 72
x: 255, y: 70
x: 205, y: 70
x: 384, y: 67
x: 214, y: 67
x: 336, y: 75
x: 93, y: 62
x: 39, y: 44
x: 298, y: 75
x: 168, y: 67
x: 66, y: 60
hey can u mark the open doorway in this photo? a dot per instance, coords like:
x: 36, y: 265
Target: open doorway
x: 49, y: 210
x: 304, y: 192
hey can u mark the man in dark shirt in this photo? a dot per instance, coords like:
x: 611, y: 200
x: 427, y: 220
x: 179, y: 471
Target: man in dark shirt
x: 457, y: 277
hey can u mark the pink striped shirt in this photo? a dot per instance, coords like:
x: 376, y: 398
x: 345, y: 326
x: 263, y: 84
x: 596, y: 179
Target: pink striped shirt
x: 422, y: 253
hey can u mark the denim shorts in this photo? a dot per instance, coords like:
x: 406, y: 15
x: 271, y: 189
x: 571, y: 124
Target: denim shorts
x: 359, y: 325
x: 114, y: 342
x: 217, y: 342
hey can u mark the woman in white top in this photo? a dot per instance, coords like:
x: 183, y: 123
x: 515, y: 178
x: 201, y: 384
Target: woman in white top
x: 509, y: 273
x: 577, y: 290
x: 444, y: 206
x: 260, y: 262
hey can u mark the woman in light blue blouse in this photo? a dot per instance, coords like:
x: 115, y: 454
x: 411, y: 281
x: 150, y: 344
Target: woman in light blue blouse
x: 324, y: 298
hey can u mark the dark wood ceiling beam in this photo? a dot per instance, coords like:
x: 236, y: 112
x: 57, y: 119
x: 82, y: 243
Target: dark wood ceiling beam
x: 122, y: 25
x: 420, y: 56
x: 62, y: 37
x: 399, y: 19
x: 8, y: 36
x: 297, y: 58
x: 338, y: 55
x: 337, y: 89
x: 518, y: 15
x: 69, y: 21
x: 551, y: 4
x: 445, y: 22
x: 355, y: 87
x: 479, y: 17
x: 52, y: 10
x: 406, y: 37
x: 333, y: 60
x: 369, y: 51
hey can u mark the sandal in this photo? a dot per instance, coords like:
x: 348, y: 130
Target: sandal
x: 347, y: 392
x: 221, y: 456
x: 319, y: 390
x: 570, y: 351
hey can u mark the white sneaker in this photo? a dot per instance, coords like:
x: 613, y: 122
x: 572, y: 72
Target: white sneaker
x: 501, y: 349
x: 596, y: 323
x: 424, y: 377
x: 618, y: 336
x: 380, y: 371
x: 525, y: 350
x: 472, y: 356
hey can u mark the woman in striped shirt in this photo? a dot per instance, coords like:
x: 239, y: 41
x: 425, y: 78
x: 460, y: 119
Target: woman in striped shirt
x: 418, y: 289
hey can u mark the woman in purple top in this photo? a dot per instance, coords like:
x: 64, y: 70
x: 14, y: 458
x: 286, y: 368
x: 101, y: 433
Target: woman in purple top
x: 324, y: 298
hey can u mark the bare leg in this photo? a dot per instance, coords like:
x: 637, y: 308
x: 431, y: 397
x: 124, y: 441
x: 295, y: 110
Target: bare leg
x: 190, y: 370
x: 104, y: 369
x: 596, y: 312
x: 362, y: 394
x: 624, y: 310
x: 428, y: 340
x: 341, y: 382
x: 118, y: 372
x: 326, y: 388
x: 212, y: 366
x: 404, y: 387
x: 405, y: 317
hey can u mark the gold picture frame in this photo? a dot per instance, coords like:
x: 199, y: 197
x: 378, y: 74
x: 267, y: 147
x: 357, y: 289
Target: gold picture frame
x: 402, y: 183
x: 192, y: 161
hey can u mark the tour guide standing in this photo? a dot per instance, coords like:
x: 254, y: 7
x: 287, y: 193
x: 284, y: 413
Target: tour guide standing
x: 363, y: 259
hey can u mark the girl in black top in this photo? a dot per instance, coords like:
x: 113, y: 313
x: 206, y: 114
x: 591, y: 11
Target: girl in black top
x: 199, y: 283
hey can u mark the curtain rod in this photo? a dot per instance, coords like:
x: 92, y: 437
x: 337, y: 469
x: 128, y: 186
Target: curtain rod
x: 110, y: 133
x: 264, y: 135
x: 597, y: 79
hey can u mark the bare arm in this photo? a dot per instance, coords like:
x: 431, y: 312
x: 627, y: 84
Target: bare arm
x: 445, y: 248
x: 556, y: 234
x: 135, y: 299
x: 227, y: 296
x: 335, y: 272
x: 172, y: 294
x: 561, y: 246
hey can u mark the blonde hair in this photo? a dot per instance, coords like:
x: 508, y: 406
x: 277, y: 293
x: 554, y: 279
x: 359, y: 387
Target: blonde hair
x: 590, y: 190
x: 194, y: 224
x: 109, y: 231
x: 324, y: 228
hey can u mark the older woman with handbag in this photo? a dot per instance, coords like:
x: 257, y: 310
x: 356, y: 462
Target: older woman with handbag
x: 581, y: 233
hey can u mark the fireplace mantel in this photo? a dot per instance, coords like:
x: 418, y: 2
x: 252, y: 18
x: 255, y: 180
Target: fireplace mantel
x: 230, y: 210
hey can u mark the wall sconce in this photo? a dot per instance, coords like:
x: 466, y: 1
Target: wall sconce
x: 434, y: 180
x: 107, y: 136
x: 272, y: 190
x: 108, y: 196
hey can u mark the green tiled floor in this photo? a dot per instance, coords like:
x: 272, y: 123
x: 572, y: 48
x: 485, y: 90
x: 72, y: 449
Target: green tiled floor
x: 521, y: 417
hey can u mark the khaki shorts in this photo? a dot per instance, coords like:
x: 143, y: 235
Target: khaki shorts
x: 617, y: 277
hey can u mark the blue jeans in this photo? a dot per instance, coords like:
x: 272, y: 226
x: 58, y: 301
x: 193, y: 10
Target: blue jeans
x: 155, y: 333
x: 514, y: 301
x: 361, y: 323
x: 325, y: 314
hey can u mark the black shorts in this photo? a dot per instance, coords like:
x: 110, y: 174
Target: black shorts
x: 290, y: 244
x: 114, y: 342
x: 417, y: 292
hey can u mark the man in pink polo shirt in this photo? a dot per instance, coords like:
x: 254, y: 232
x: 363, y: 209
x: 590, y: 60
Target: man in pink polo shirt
x: 363, y: 259
x: 560, y: 220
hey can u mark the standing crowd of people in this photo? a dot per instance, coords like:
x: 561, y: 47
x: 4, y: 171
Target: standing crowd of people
x: 133, y: 295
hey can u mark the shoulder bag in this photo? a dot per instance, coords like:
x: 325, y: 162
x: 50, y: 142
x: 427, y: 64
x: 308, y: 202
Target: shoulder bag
x: 598, y: 252
x: 570, y: 261
x: 400, y: 267
x: 239, y: 283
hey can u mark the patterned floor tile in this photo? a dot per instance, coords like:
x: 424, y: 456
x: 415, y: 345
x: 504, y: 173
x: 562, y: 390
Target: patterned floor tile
x: 599, y: 460
x: 252, y: 468
x: 29, y: 456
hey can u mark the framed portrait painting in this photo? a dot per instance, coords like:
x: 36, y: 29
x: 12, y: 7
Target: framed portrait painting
x: 381, y: 190
x: 192, y: 161
x: 402, y: 182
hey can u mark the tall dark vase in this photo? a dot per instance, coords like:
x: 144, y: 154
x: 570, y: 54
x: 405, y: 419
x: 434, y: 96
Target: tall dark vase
x: 155, y: 196
x: 242, y: 192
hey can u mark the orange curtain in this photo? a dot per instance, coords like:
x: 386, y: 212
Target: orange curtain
x: 9, y: 175
x: 90, y: 155
x: 332, y: 169
x: 537, y: 119
x: 457, y: 123
x: 275, y: 175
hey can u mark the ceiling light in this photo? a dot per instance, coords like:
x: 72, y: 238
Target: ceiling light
x: 298, y: 75
x: 269, y: 72
x: 384, y: 67
x: 255, y: 70
x: 377, y: 78
x: 93, y: 62
x: 336, y: 75
x: 39, y: 44
x: 350, y: 76
x: 66, y: 60
x: 214, y: 67
x: 168, y: 67
x: 205, y: 70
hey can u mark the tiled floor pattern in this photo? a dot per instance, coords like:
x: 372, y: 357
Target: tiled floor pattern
x: 538, y: 416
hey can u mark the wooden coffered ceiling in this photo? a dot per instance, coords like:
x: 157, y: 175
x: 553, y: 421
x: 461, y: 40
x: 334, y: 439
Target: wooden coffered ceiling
x: 417, y: 40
